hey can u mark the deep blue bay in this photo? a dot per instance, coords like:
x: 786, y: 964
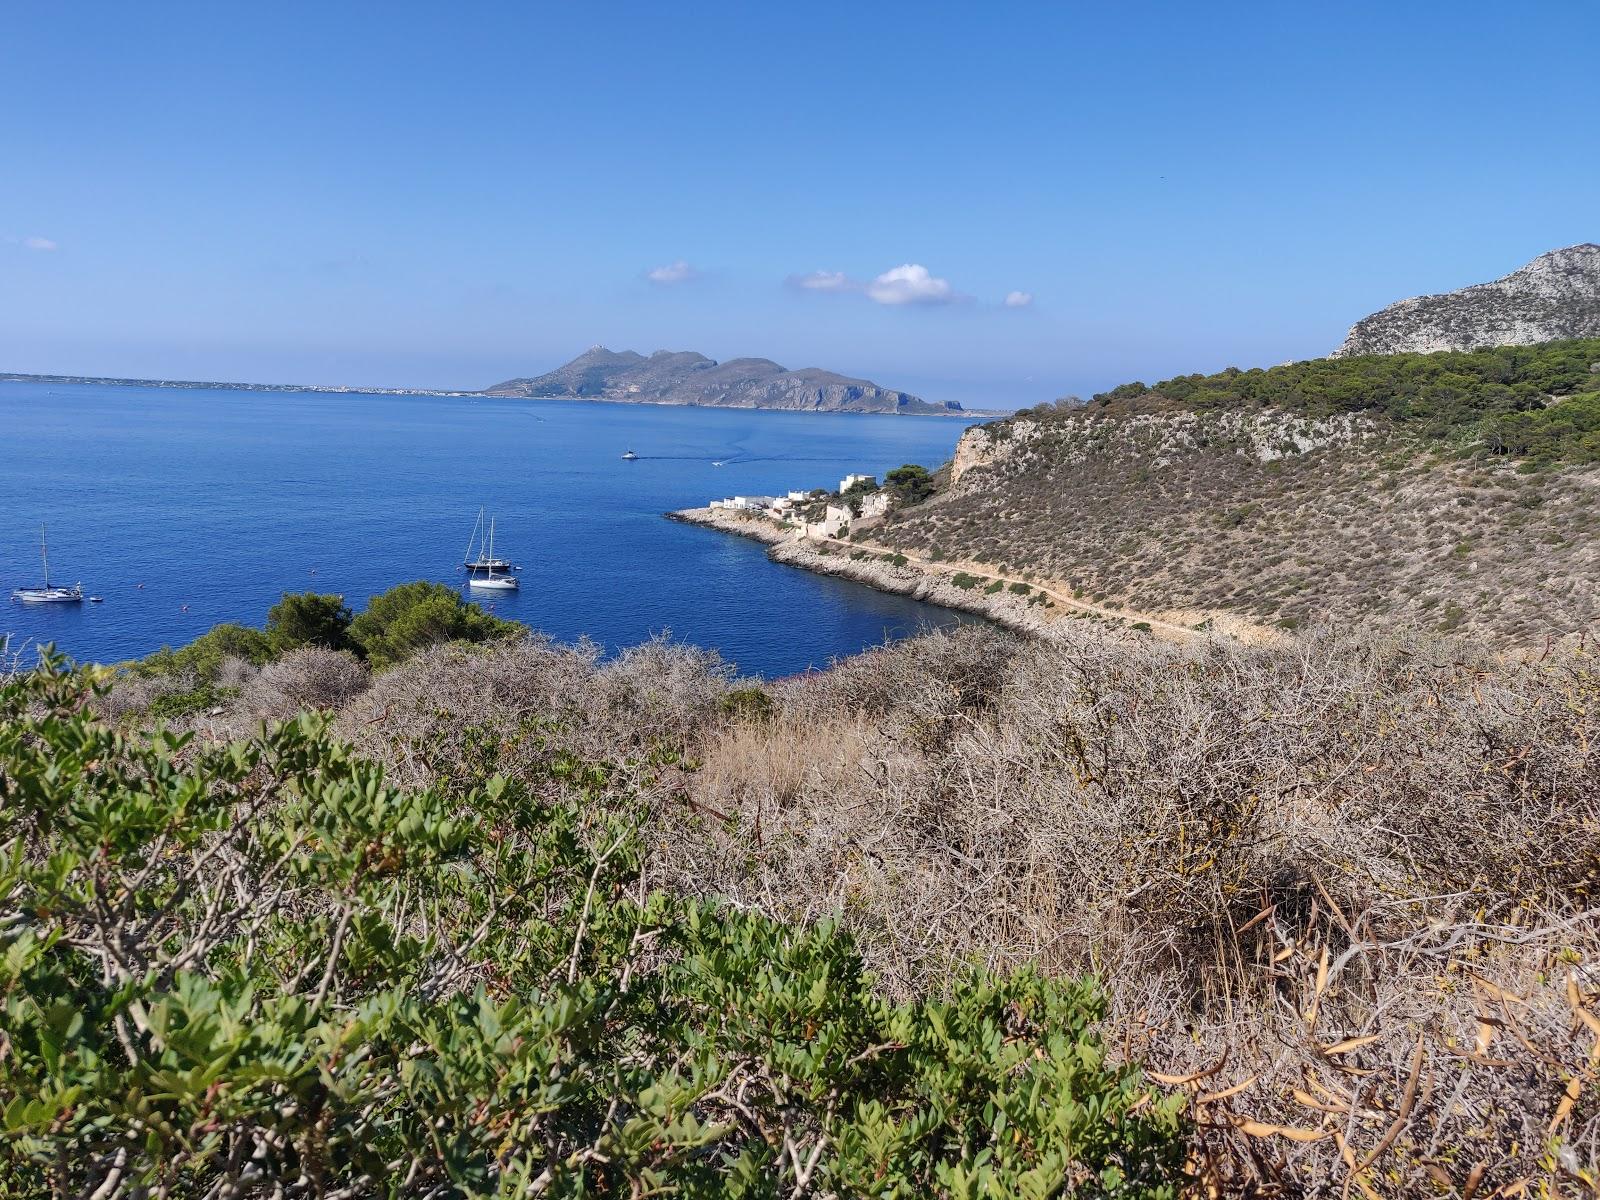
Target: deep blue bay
x: 217, y: 502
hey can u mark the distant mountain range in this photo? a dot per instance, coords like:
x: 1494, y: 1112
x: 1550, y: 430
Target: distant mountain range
x: 684, y: 377
x: 1556, y: 296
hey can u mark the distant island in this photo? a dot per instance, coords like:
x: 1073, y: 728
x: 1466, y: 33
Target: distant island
x: 684, y: 377
x: 665, y: 377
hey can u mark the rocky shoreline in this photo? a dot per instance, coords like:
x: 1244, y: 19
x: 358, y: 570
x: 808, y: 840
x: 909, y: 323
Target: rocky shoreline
x: 876, y: 569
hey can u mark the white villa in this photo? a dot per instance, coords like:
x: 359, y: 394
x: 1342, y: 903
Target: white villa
x: 835, y: 519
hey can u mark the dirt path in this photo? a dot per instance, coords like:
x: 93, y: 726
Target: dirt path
x: 947, y: 567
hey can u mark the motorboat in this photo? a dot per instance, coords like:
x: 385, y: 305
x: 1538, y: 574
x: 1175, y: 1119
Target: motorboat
x: 629, y: 456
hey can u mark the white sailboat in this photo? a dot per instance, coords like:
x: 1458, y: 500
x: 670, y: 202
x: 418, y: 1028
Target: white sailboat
x: 492, y: 580
x: 485, y: 561
x: 45, y: 594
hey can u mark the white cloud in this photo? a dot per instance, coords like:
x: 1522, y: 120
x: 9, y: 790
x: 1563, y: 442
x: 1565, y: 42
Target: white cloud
x: 1018, y: 299
x: 910, y: 283
x: 824, y: 281
x: 38, y: 243
x: 678, y: 272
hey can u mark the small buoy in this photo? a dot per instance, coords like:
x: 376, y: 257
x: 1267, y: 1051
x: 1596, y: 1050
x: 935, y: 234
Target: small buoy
x: 185, y: 608
x: 140, y: 586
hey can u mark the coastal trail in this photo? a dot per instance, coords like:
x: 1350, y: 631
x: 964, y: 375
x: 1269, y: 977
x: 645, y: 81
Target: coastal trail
x: 949, y: 567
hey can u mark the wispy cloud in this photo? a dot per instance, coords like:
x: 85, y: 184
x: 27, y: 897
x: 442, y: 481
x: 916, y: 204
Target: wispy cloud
x: 676, y: 272
x: 824, y: 281
x: 31, y: 243
x: 1018, y: 299
x: 910, y: 283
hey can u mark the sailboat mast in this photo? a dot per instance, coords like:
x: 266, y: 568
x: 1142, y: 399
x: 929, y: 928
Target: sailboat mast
x: 491, y: 541
x: 476, y: 525
x: 44, y: 553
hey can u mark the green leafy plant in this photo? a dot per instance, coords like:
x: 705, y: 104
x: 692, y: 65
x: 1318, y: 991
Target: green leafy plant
x: 258, y: 969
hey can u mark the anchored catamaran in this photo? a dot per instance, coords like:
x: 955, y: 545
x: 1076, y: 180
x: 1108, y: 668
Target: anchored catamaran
x: 45, y: 594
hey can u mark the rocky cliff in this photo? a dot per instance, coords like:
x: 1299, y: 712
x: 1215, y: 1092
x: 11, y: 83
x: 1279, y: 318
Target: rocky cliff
x: 1555, y: 296
x: 684, y: 377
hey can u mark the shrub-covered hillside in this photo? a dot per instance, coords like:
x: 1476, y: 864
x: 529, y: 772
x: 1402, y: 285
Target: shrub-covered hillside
x: 1444, y: 491
x: 1339, y: 896
x: 1444, y: 395
x: 256, y: 968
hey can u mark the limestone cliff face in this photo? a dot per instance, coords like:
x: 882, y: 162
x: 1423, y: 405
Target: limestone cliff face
x: 1555, y: 296
x: 984, y: 444
x: 683, y: 377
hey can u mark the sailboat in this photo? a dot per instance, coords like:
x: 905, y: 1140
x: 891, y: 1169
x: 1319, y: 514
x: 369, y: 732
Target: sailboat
x: 45, y: 594
x: 485, y: 561
x: 492, y: 580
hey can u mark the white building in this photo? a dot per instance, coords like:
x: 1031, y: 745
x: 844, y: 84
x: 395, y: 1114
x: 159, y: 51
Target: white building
x: 745, y: 503
x: 876, y: 504
x: 849, y: 481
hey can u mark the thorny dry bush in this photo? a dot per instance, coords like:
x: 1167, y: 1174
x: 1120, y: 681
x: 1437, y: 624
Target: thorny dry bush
x: 1341, y: 891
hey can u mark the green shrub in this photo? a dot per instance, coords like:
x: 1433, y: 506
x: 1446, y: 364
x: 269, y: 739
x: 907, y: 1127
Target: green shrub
x: 172, y: 705
x: 259, y: 969
x: 1021, y: 589
x: 747, y: 703
x: 962, y: 580
x: 204, y: 656
x: 911, y: 483
x: 308, y: 619
x: 413, y: 616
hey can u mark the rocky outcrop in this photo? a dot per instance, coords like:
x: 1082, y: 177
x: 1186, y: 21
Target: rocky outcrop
x: 684, y: 377
x: 1555, y: 296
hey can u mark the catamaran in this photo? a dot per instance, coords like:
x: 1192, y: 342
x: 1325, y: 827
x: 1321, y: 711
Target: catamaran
x: 490, y: 579
x: 485, y: 561
x: 45, y: 594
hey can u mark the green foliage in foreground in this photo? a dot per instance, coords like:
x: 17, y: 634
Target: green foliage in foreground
x: 1444, y: 395
x: 259, y: 970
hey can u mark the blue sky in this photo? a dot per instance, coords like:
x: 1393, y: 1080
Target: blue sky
x: 447, y: 195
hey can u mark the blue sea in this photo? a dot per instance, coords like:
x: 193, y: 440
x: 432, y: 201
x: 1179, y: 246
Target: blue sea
x: 185, y: 508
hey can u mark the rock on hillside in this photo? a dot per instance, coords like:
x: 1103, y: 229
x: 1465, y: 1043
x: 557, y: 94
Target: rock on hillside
x: 684, y: 377
x: 1555, y: 296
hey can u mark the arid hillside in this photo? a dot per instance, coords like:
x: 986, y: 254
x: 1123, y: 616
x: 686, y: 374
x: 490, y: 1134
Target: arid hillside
x: 1339, y: 892
x: 1446, y: 492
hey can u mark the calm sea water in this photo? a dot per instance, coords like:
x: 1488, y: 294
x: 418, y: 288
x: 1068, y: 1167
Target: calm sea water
x: 186, y: 508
